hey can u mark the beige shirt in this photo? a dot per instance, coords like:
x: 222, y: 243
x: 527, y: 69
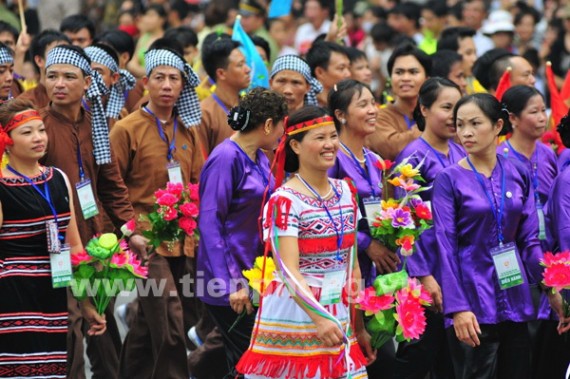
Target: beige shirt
x: 214, y: 128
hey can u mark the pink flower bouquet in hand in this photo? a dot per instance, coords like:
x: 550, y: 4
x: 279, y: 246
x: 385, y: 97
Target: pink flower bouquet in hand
x: 556, y: 274
x: 105, y: 268
x: 174, y: 217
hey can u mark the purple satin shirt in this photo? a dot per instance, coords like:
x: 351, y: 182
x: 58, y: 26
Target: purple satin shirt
x: 558, y: 213
x: 368, y: 184
x: 424, y: 260
x: 563, y: 159
x: 547, y: 167
x: 466, y: 231
x: 231, y: 195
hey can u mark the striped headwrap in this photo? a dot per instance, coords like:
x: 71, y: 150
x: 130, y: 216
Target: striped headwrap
x: 297, y: 64
x: 97, y: 89
x: 188, y: 105
x: 125, y: 83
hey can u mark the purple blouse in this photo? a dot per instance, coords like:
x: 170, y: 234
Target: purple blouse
x: 424, y: 260
x: 558, y: 213
x: 466, y: 231
x: 368, y: 184
x: 563, y: 159
x: 546, y: 166
x: 231, y: 193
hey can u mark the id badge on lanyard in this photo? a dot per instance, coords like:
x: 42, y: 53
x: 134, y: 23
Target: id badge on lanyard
x: 174, y: 172
x: 86, y: 199
x: 61, y: 272
x: 507, y: 266
x: 333, y: 283
x: 541, y: 225
x: 372, y: 207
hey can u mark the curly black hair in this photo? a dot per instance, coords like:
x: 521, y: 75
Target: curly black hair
x: 257, y: 106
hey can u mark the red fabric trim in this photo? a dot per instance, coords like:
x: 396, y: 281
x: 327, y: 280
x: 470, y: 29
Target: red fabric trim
x: 319, y: 245
x: 274, y: 366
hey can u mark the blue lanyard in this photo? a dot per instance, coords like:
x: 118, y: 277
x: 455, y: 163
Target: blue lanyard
x: 45, y: 194
x: 339, y: 233
x: 253, y: 165
x: 409, y: 122
x: 435, y: 152
x: 365, y: 174
x: 80, y: 161
x: 498, y: 214
x: 220, y: 103
x: 85, y: 105
x: 172, y: 145
x: 534, y: 164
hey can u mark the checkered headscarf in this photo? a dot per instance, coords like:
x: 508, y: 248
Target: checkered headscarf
x: 97, y: 89
x: 6, y: 56
x: 126, y: 81
x: 295, y: 63
x: 188, y: 105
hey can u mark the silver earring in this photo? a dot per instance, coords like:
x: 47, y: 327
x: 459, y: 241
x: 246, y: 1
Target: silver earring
x: 343, y: 121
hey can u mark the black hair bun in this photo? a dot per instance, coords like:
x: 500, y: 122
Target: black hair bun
x: 238, y: 118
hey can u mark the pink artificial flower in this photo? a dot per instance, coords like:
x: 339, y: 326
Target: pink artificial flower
x: 138, y: 269
x: 80, y: 258
x: 175, y: 189
x: 123, y: 246
x: 557, y: 276
x: 159, y: 193
x: 193, y: 191
x: 167, y: 200
x: 417, y: 291
x: 409, y: 185
x: 411, y: 318
x: 119, y: 260
x: 372, y: 304
x: 128, y: 228
x: 559, y: 258
x: 188, y: 224
x: 169, y: 213
x: 189, y: 210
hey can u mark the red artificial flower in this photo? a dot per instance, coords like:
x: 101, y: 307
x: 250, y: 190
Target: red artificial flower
x: 128, y: 228
x: 557, y: 276
x: 167, y: 200
x: 552, y: 138
x: 189, y: 210
x: 384, y: 164
x: 80, y: 258
x: 175, y: 189
x: 559, y: 258
x: 423, y: 212
x: 188, y: 224
x: 193, y: 191
x: 169, y: 213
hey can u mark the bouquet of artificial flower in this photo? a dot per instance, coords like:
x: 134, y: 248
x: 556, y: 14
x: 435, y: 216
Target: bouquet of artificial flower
x: 557, y: 274
x: 174, y: 216
x: 105, y: 268
x: 396, y: 304
x: 399, y: 222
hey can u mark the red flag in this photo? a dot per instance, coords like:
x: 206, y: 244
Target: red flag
x: 557, y: 105
x: 565, y: 91
x: 504, y: 84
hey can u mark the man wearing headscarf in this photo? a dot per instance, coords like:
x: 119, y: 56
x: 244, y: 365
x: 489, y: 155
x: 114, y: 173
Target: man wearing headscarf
x: 6, y: 72
x: 291, y: 76
x: 79, y: 145
x: 157, y: 144
x: 119, y: 82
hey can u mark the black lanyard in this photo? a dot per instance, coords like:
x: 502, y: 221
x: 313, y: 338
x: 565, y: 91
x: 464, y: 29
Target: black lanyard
x: 172, y: 144
x: 497, y: 213
x: 365, y: 173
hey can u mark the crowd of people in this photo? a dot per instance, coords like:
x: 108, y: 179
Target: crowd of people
x: 104, y: 103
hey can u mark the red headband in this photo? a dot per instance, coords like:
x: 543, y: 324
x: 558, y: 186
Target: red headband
x: 19, y: 119
x: 308, y: 125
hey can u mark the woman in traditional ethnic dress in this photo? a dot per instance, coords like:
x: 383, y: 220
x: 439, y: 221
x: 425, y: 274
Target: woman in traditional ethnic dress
x: 232, y: 187
x: 486, y: 229
x: 301, y: 330
x: 435, y: 147
x: 34, y: 200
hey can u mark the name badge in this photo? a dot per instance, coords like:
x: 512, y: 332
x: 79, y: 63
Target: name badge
x: 541, y: 226
x: 86, y: 199
x: 61, y: 272
x: 333, y: 283
x: 507, y: 265
x: 371, y: 207
x: 174, y: 172
x: 52, y: 235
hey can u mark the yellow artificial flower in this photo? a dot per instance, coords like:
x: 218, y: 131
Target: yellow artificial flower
x: 254, y: 276
x: 408, y: 171
x: 397, y: 181
x: 391, y: 203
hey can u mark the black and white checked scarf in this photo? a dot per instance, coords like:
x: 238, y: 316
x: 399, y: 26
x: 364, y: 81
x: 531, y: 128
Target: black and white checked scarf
x: 188, y: 105
x: 295, y: 63
x: 6, y: 56
x: 97, y: 89
x: 126, y: 81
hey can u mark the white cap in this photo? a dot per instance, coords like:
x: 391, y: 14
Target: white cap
x: 498, y: 21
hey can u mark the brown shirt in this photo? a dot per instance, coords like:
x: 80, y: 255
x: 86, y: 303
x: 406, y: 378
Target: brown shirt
x: 38, y: 95
x: 108, y: 187
x: 142, y: 158
x: 213, y: 128
x: 392, y: 133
